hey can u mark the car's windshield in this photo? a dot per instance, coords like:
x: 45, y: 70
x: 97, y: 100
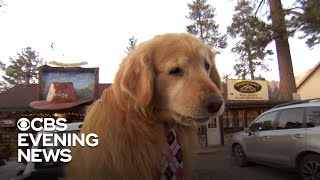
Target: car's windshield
x: 50, y: 164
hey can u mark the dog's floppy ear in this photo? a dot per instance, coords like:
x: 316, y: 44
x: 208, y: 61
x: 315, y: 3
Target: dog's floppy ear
x: 138, y: 77
x: 214, y: 74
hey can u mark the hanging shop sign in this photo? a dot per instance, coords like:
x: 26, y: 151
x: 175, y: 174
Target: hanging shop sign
x: 65, y: 87
x: 247, y: 89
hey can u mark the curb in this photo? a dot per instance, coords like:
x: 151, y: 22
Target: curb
x: 211, y: 149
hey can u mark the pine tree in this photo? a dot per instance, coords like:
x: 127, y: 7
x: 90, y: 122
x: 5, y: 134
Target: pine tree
x: 251, y: 47
x: 285, y: 22
x: 2, y: 3
x: 204, y: 26
x: 132, y: 45
x: 2, y: 65
x: 305, y: 17
x: 3, y: 85
x: 287, y: 80
x: 23, y: 68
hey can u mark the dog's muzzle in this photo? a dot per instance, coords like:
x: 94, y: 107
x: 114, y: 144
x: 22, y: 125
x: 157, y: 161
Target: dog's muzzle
x: 212, y: 103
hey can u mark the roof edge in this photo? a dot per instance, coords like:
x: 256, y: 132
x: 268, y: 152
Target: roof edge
x: 308, y: 74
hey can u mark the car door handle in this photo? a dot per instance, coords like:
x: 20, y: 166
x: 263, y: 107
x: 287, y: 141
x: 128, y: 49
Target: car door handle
x: 298, y: 136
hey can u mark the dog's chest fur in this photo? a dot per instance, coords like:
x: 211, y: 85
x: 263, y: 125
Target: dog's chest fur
x: 129, y: 148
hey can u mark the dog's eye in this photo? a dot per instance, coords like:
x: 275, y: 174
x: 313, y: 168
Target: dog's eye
x: 207, y: 66
x: 175, y: 71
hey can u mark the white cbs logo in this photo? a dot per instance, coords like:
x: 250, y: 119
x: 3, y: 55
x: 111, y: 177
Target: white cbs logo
x: 49, y: 124
x: 23, y: 124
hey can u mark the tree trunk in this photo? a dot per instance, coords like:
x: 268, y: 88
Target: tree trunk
x: 201, y: 29
x: 287, y: 81
x: 250, y: 64
x: 27, y: 79
x: 251, y: 69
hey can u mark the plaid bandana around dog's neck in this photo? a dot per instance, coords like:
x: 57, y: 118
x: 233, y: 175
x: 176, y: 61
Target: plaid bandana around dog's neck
x: 172, y: 166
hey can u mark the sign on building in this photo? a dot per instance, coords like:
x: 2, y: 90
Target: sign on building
x: 247, y: 89
x: 85, y: 81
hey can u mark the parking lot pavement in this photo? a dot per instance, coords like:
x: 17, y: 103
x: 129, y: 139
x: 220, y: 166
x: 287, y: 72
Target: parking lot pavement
x: 10, y: 170
x: 216, y: 164
x: 212, y: 164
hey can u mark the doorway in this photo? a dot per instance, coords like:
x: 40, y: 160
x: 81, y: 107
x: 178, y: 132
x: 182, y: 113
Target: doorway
x: 213, y: 132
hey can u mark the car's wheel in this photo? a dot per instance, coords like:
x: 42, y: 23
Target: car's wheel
x: 239, y: 156
x: 309, y: 167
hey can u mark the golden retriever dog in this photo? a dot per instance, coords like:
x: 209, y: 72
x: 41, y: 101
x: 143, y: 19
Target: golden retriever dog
x: 170, y: 81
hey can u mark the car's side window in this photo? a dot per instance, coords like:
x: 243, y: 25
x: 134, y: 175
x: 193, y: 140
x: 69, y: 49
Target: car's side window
x: 265, y: 122
x: 313, y: 117
x: 291, y: 118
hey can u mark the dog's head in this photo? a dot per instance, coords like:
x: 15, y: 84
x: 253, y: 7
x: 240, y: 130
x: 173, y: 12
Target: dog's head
x: 176, y: 75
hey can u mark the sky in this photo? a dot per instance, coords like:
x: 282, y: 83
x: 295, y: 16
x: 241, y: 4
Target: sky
x: 98, y: 31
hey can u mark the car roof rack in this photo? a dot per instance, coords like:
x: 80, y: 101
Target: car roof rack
x: 297, y: 102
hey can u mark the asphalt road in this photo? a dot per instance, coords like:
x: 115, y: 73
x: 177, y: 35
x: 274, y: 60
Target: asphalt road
x: 218, y: 165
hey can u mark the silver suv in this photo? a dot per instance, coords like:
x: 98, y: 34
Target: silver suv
x: 286, y: 136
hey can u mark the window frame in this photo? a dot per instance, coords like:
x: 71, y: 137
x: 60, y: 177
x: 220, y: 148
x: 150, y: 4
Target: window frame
x: 262, y: 115
x: 306, y: 108
x: 303, y: 120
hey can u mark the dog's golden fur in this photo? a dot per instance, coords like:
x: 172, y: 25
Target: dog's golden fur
x: 149, y: 96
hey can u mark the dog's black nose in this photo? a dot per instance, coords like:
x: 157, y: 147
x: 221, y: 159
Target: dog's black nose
x: 212, y: 103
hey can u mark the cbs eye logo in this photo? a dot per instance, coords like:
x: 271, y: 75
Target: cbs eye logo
x: 23, y: 124
x: 47, y: 124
